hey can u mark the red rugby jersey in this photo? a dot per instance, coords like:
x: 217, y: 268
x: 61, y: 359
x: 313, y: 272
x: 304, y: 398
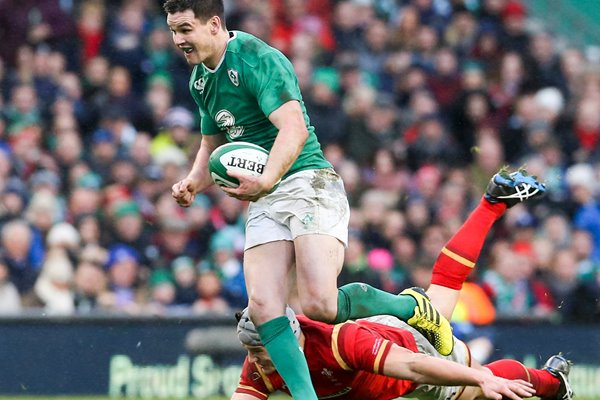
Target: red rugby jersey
x: 344, y: 361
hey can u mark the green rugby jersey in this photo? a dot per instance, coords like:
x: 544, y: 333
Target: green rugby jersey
x: 236, y: 98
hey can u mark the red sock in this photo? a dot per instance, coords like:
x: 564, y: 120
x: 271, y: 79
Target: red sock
x: 457, y: 259
x: 544, y: 383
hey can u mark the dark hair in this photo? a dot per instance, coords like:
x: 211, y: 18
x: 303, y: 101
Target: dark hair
x: 203, y: 9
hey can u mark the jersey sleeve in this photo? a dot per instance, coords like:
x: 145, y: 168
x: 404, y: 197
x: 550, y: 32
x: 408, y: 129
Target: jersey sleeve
x: 273, y: 82
x: 360, y: 348
x: 207, y: 125
x: 254, y: 382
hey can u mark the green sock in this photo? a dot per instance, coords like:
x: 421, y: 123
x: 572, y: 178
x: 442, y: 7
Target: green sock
x: 359, y: 300
x: 288, y: 358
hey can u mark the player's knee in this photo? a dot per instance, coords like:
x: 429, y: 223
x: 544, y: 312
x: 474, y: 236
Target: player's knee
x: 263, y: 311
x: 319, y: 309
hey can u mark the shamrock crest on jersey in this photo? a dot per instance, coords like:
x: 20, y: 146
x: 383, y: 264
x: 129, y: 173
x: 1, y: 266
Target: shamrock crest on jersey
x: 226, y: 120
x: 199, y: 84
x: 233, y: 76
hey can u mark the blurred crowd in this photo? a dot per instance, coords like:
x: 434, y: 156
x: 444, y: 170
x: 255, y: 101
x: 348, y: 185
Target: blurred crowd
x: 417, y: 103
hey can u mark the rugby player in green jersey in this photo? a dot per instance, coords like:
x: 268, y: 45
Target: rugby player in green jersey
x: 247, y: 91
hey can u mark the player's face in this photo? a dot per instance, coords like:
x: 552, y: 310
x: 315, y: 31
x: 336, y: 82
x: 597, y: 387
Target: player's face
x: 259, y: 355
x: 194, y: 38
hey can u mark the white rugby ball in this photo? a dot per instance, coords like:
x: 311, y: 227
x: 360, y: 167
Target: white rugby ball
x: 246, y: 158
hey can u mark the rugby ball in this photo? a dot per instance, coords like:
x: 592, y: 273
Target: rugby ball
x: 243, y: 157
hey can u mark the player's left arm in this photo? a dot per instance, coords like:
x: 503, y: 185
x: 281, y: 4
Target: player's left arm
x: 289, y: 120
x: 402, y: 363
x: 292, y: 135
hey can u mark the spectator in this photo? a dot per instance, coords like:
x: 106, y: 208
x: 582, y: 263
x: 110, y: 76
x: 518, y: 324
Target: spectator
x: 53, y: 286
x: 14, y: 200
x: 388, y: 174
x: 177, y: 123
x: 581, y: 180
x: 184, y: 274
x: 433, y: 145
x: 345, y: 26
x: 84, y: 200
x: 568, y: 292
x: 444, y: 81
x: 323, y: 105
x: 380, y: 130
x: 124, y: 295
x: 174, y: 240
x: 514, y: 35
x: 582, y: 246
x: 210, y: 300
x: 124, y: 42
x: 512, y: 287
x: 43, y: 211
x: 587, y: 131
x: 162, y: 293
x: 545, y: 66
x: 128, y: 227
x: 356, y: 267
x: 103, y: 152
x: 91, y: 28
x: 381, y: 261
x: 404, y: 34
x: 17, y: 238
x: 89, y: 286
x: 10, y: 300
x: 229, y: 267
x: 23, y: 108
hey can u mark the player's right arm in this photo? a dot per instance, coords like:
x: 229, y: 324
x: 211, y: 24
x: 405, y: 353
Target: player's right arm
x: 198, y: 179
x: 402, y: 363
x: 360, y: 348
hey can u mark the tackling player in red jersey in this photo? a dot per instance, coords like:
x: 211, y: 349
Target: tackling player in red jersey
x: 384, y: 358
x: 367, y: 360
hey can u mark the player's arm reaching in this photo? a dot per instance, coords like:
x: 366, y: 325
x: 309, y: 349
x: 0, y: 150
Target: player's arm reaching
x: 290, y: 140
x: 404, y: 364
x: 198, y: 179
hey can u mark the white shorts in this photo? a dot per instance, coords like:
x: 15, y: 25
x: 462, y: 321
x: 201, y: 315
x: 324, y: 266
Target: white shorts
x: 307, y: 202
x: 460, y: 354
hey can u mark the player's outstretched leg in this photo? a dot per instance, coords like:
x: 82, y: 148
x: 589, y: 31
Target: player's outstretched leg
x: 430, y: 322
x: 514, y: 187
x: 359, y: 300
x: 458, y: 257
x: 550, y: 383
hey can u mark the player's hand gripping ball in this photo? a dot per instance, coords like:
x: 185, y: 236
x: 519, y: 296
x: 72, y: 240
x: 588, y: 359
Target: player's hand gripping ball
x: 243, y: 157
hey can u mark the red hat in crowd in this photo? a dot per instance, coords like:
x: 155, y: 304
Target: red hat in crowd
x: 514, y: 9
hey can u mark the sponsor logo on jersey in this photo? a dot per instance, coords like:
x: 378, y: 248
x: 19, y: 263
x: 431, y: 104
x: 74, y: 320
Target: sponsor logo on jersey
x: 199, y: 84
x: 226, y: 120
x: 233, y: 77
